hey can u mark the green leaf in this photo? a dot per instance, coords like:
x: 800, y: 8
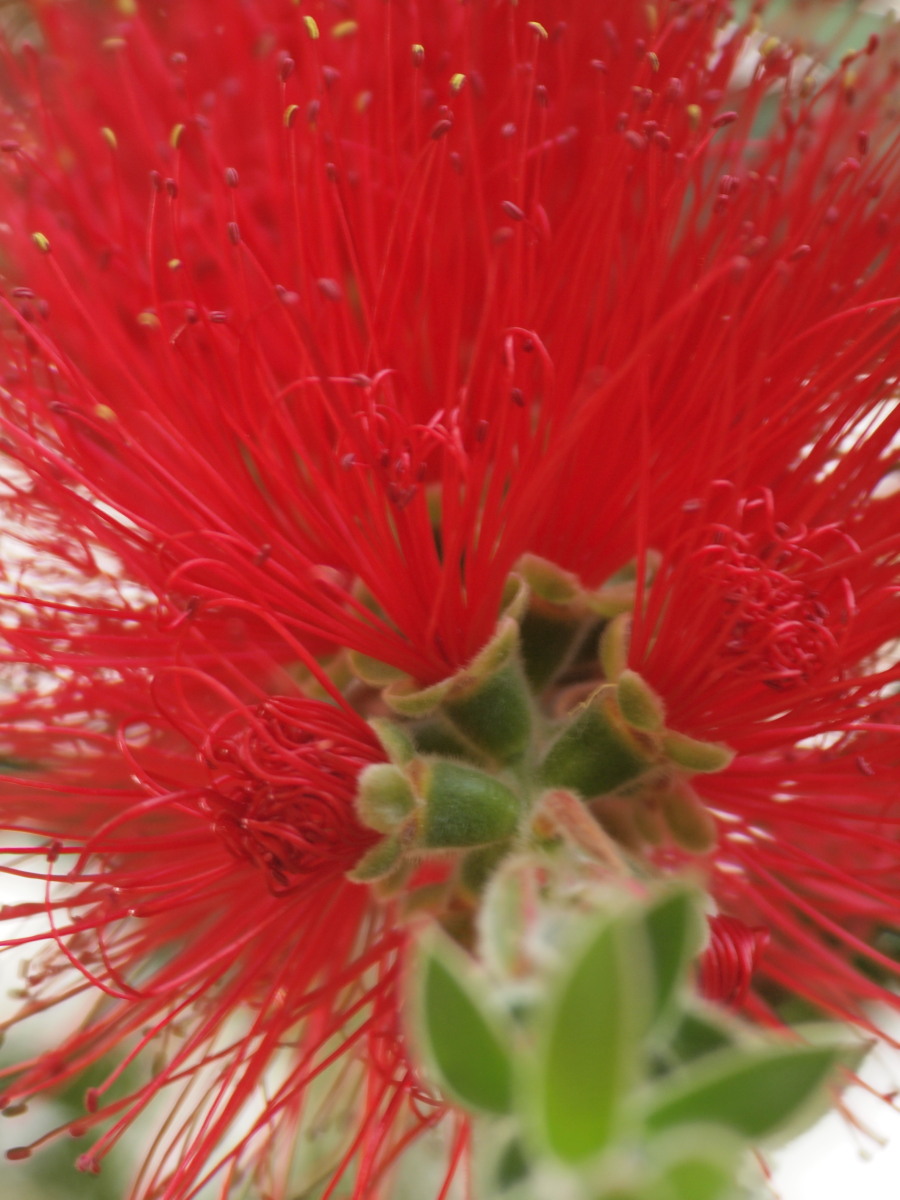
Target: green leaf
x: 589, y: 1053
x: 470, y: 1058
x: 756, y: 1092
x: 513, y: 1166
x: 674, y: 930
x: 700, y: 1162
x: 700, y: 1033
x: 699, y: 1179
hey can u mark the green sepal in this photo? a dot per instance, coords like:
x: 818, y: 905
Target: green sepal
x: 372, y: 670
x: 494, y: 713
x: 694, y: 755
x: 405, y: 698
x: 756, y: 1091
x: 594, y: 754
x: 462, y: 1040
x: 638, y: 703
x: 465, y: 807
x: 395, y: 740
x: 435, y: 735
x: 550, y: 582
x: 384, y: 797
x: 378, y: 862
x: 487, y: 702
x: 614, y: 643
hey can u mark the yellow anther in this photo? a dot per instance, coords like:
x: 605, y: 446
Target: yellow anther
x: 539, y: 29
x: 344, y: 29
x: 311, y: 27
x: 652, y: 16
x: 42, y: 242
x: 148, y: 319
x: 694, y: 113
x: 362, y: 101
x: 769, y: 46
x: 174, y: 263
x: 104, y: 412
x: 175, y: 136
x: 653, y: 60
x: 128, y: 8
x: 109, y: 137
x: 289, y: 114
x: 418, y: 54
x: 113, y: 43
x: 457, y: 81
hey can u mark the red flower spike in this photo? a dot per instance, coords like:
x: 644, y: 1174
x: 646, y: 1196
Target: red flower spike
x: 315, y: 323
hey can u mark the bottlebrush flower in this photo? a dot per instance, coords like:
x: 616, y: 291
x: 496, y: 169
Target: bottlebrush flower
x: 320, y: 320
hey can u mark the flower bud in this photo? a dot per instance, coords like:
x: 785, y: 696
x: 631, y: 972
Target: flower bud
x: 465, y: 807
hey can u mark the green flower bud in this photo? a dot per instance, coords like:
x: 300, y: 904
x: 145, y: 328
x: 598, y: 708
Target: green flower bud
x: 465, y: 807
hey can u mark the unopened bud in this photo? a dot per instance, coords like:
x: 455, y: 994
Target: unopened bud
x: 465, y: 807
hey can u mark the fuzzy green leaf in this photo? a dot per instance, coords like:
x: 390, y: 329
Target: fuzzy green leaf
x: 674, y: 934
x: 754, y: 1091
x: 589, y: 1054
x: 469, y: 1057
